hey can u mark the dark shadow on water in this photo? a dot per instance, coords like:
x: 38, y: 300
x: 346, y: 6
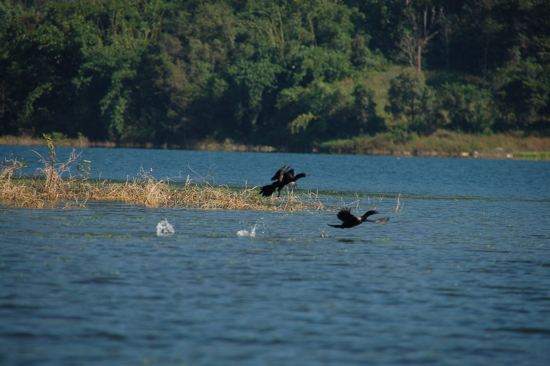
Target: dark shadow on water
x: 346, y: 240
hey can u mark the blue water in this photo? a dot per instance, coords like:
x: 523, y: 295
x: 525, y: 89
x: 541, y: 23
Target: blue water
x: 460, y: 276
x: 373, y: 175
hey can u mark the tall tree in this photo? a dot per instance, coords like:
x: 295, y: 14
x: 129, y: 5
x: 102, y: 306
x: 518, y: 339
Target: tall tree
x: 412, y: 101
x: 423, y: 27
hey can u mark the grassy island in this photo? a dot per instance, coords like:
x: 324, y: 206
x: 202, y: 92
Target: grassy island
x: 51, y: 189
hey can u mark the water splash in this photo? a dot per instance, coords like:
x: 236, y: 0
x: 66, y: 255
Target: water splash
x: 251, y: 233
x: 164, y: 228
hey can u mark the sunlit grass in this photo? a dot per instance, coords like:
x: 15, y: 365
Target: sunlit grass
x: 446, y: 143
x: 535, y: 155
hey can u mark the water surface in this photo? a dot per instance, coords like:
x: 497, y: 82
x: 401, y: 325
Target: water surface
x: 460, y: 276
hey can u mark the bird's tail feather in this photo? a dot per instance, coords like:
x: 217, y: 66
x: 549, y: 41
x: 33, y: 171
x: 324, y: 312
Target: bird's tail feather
x: 268, y: 190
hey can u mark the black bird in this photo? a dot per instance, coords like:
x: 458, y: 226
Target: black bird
x: 281, y: 178
x: 350, y: 220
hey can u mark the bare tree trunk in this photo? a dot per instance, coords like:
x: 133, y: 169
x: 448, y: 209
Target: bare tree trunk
x: 419, y: 57
x: 421, y: 33
x: 445, y: 35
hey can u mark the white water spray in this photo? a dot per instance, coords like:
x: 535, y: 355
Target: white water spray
x: 251, y: 233
x: 164, y: 228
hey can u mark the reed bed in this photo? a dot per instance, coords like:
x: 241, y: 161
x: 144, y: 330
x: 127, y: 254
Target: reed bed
x: 37, y: 193
x: 57, y: 185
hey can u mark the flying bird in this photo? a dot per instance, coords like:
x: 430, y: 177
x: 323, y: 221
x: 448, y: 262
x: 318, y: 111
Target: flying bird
x: 281, y: 178
x: 350, y: 220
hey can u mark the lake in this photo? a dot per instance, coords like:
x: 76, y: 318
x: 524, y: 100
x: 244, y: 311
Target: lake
x: 459, y: 276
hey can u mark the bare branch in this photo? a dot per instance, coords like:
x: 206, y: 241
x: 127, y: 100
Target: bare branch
x: 413, y: 44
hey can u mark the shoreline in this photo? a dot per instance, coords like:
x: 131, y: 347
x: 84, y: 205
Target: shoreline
x: 519, y: 148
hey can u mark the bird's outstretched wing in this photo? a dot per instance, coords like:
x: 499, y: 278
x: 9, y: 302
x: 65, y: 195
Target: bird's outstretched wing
x: 280, y: 173
x: 345, y: 215
x: 290, y: 175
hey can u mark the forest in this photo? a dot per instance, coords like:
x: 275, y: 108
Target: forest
x: 292, y: 74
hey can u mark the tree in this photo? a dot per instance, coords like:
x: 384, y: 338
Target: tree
x: 415, y: 41
x: 525, y: 96
x: 74, y: 68
x: 364, y: 112
x: 282, y: 48
x: 270, y: 72
x: 126, y: 32
x: 38, y: 63
x: 412, y: 101
x: 469, y: 109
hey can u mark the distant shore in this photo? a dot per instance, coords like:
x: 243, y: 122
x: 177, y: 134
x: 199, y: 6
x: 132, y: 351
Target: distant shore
x: 439, y: 144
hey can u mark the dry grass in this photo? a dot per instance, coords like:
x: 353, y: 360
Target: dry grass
x: 35, y: 192
x: 51, y: 189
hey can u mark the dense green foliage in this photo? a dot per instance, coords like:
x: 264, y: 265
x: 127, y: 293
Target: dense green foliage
x: 290, y: 74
